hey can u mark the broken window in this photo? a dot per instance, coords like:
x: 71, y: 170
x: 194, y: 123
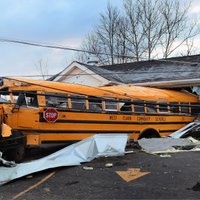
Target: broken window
x: 4, y: 97
x: 151, y: 106
x: 195, y: 108
x: 126, y: 106
x: 25, y: 98
x: 111, y: 105
x: 163, y: 107
x: 78, y: 102
x: 139, y: 107
x: 174, y: 107
x: 95, y: 104
x: 185, y: 108
x: 56, y: 100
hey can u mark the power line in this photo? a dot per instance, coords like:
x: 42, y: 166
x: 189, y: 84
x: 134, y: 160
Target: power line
x: 116, y: 73
x: 60, y: 47
x: 43, y: 45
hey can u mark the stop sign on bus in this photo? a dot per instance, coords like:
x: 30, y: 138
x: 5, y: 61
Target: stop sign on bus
x: 50, y: 115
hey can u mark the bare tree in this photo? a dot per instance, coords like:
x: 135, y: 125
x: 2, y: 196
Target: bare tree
x: 135, y: 34
x: 144, y: 29
x: 152, y: 25
x: 122, y: 46
x: 42, y: 68
x: 177, y: 27
x: 106, y: 31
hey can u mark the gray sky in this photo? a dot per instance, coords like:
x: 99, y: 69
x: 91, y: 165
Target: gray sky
x: 61, y: 22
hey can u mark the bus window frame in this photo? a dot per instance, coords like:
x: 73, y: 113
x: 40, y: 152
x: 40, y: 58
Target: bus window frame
x: 111, y: 100
x: 166, y: 108
x: 92, y: 102
x: 55, y: 102
x: 154, y: 107
x: 79, y: 97
x: 22, y: 98
x: 122, y: 108
x: 140, y: 104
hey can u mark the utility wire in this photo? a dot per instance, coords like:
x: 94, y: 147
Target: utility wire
x: 59, y: 47
x: 116, y: 73
x: 90, y: 52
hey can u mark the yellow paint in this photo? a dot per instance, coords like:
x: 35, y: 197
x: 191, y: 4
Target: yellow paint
x: 131, y: 174
x: 80, y: 124
x: 6, y: 130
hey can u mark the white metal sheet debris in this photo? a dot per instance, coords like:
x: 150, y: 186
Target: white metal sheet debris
x: 185, y: 130
x: 83, y: 151
x: 169, y: 145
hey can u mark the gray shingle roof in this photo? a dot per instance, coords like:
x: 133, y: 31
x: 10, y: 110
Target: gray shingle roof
x: 176, y: 68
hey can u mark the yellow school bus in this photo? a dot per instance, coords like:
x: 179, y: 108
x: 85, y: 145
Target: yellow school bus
x: 40, y: 112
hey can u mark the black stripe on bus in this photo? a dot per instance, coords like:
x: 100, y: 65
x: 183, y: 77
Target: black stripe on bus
x: 79, y: 131
x: 121, y: 113
x: 163, y: 131
x: 112, y: 122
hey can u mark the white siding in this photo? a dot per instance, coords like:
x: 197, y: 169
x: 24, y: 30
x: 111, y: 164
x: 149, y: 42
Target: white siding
x: 75, y: 77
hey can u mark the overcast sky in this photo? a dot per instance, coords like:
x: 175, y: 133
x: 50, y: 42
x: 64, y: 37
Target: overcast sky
x: 61, y: 22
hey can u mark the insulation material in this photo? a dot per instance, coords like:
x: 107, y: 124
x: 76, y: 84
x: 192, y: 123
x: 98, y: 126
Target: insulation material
x: 83, y: 151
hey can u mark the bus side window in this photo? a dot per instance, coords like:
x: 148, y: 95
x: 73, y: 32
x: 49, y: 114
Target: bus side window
x: 4, y: 97
x: 185, y: 108
x: 151, y: 106
x: 26, y: 98
x: 139, y: 107
x: 95, y: 104
x: 78, y: 102
x: 56, y: 100
x: 174, y: 107
x: 195, y: 108
x: 111, y: 105
x: 163, y: 107
x: 31, y: 99
x: 125, y: 106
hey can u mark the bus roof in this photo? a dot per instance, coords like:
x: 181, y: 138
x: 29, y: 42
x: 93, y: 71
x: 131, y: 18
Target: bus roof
x: 120, y: 91
x: 153, y: 94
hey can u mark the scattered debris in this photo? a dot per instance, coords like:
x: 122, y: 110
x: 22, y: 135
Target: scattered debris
x: 165, y: 155
x: 46, y: 189
x: 88, y: 168
x: 83, y: 151
x: 109, y: 165
x: 5, y: 162
x: 29, y: 176
x: 185, y: 130
x: 168, y: 145
x: 128, y: 152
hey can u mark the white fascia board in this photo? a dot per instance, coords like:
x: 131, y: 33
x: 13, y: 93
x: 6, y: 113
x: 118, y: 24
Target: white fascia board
x: 84, y: 69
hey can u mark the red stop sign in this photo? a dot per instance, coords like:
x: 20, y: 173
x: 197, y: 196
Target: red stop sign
x: 50, y: 115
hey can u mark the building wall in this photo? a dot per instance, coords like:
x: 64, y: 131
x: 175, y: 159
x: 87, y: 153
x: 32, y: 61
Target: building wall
x: 77, y: 76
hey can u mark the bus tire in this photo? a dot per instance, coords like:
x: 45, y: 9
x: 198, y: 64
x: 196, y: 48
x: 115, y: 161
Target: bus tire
x: 149, y: 133
x: 16, y: 154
